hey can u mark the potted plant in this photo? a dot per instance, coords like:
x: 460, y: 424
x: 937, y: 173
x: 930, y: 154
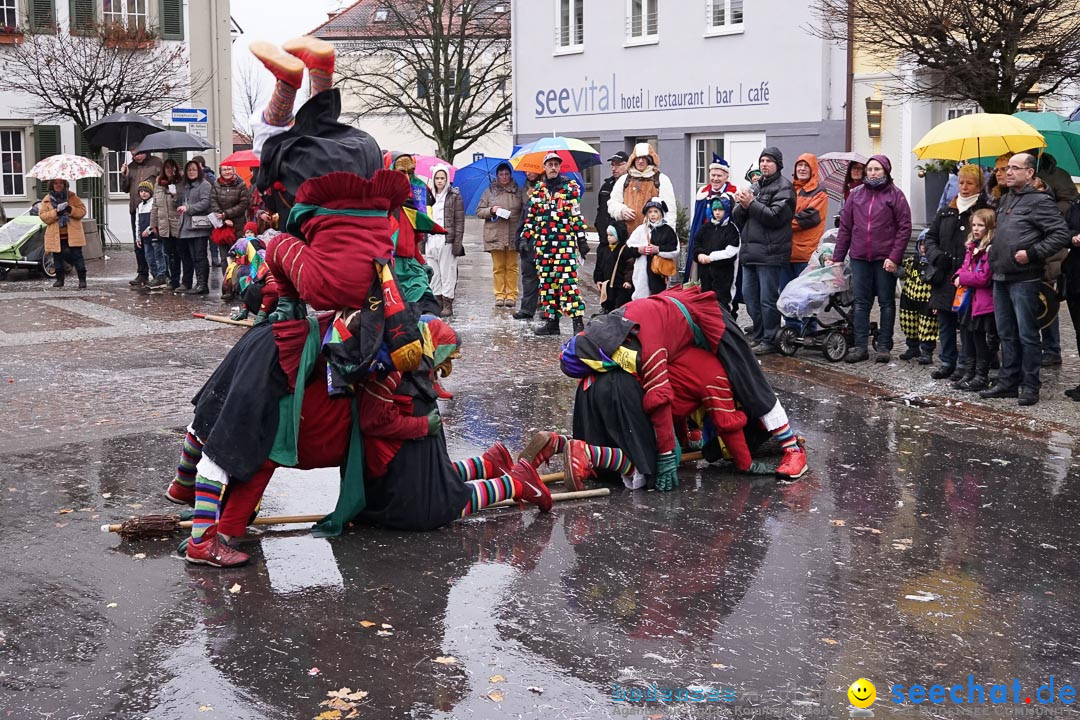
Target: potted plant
x: 935, y: 175
x: 10, y: 35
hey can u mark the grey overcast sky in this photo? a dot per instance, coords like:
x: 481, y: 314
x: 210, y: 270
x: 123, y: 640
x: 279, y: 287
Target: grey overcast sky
x: 278, y: 20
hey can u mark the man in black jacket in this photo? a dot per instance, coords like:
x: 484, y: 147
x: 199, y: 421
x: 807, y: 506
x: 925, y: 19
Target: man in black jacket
x: 603, y: 219
x: 765, y: 221
x: 1029, y: 230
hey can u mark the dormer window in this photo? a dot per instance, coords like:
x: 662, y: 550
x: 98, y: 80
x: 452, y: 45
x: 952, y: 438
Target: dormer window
x: 380, y: 16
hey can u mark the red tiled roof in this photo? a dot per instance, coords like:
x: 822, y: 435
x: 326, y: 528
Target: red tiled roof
x: 358, y: 21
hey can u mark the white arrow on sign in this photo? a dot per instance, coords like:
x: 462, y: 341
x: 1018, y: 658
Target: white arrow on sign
x: 190, y: 115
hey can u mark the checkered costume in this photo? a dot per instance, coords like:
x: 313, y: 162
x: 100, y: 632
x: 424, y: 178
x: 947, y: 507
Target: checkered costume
x: 917, y: 321
x: 553, y: 223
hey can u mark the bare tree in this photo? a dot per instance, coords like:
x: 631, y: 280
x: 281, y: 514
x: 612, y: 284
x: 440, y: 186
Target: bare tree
x: 443, y: 65
x: 249, y: 94
x: 85, y: 77
x: 997, y: 54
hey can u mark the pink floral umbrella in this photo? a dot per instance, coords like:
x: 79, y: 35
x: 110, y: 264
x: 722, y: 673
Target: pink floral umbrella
x: 66, y: 167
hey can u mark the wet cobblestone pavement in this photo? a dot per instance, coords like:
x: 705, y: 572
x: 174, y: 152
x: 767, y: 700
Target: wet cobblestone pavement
x: 926, y: 544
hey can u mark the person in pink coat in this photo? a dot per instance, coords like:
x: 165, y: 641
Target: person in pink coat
x: 977, y: 310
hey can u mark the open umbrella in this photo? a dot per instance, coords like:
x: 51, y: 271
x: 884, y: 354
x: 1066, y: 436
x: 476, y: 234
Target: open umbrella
x: 576, y: 154
x: 473, y: 179
x: 242, y: 159
x: 1062, y: 137
x: 172, y: 140
x: 67, y: 167
x: 120, y: 131
x: 832, y: 169
x: 425, y: 164
x: 977, y: 136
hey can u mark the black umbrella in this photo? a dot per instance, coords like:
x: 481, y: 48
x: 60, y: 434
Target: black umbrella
x: 172, y: 140
x: 120, y: 131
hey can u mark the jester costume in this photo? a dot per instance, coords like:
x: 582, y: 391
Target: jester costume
x: 553, y: 224
x: 651, y: 341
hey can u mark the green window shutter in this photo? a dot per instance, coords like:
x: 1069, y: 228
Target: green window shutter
x: 46, y: 144
x: 423, y: 83
x: 463, y: 83
x: 42, y: 16
x: 82, y: 16
x: 171, y: 15
x: 84, y: 188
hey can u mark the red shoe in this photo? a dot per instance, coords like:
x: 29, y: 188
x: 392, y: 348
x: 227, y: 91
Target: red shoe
x: 286, y: 68
x: 180, y: 494
x: 313, y: 52
x: 213, y: 551
x: 540, y: 448
x: 529, y: 487
x: 499, y: 458
x: 442, y: 392
x: 793, y: 466
x: 576, y: 465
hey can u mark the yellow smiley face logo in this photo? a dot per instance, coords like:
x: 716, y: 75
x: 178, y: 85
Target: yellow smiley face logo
x: 862, y: 693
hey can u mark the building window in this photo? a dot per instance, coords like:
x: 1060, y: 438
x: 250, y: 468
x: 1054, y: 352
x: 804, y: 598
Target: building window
x: 131, y: 14
x: 704, y: 150
x: 641, y: 20
x: 380, y: 16
x: 955, y: 112
x: 113, y: 163
x: 12, y: 164
x: 9, y: 13
x: 723, y: 16
x: 569, y: 24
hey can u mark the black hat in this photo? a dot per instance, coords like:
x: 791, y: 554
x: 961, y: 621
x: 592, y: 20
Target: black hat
x: 619, y: 157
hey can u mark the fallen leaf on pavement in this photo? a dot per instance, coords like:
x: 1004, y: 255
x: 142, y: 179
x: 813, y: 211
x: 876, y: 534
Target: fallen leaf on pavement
x: 387, y: 626
x: 496, y: 679
x: 329, y: 715
x: 65, y: 511
x: 106, y: 495
x: 830, y: 641
x: 838, y: 523
x: 347, y: 694
x: 139, y: 556
x: 495, y: 696
x: 446, y: 659
x: 111, y: 605
x: 313, y: 671
x: 861, y: 528
x: 235, y: 588
x: 719, y: 666
x: 537, y: 690
x: 366, y: 623
x: 384, y: 633
x: 205, y: 708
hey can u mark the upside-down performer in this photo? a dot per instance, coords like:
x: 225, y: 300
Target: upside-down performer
x: 640, y: 376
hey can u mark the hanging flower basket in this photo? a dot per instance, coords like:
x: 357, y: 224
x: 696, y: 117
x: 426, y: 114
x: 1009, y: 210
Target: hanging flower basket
x: 10, y: 35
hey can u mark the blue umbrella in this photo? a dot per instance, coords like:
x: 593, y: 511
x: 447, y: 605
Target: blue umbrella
x: 472, y: 180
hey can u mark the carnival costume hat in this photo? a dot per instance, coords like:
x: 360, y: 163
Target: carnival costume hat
x: 655, y: 203
x: 719, y: 163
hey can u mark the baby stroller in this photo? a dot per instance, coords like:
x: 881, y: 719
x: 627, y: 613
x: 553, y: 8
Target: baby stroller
x: 822, y: 298
x: 22, y: 245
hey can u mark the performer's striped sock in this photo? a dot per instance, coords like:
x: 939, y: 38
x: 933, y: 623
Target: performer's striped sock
x: 207, y: 506
x: 488, y: 492
x: 609, y: 458
x: 189, y: 458
x: 474, y: 468
x: 279, y: 111
x: 786, y: 437
x: 560, y: 442
x: 320, y: 79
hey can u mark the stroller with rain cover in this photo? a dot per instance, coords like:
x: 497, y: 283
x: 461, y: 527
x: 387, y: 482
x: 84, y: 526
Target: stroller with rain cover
x: 22, y: 245
x: 822, y: 299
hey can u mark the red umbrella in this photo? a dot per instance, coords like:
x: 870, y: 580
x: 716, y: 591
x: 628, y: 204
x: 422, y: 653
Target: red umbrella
x: 242, y: 158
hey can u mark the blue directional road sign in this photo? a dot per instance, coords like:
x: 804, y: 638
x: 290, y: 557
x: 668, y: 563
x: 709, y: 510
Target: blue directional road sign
x: 189, y: 115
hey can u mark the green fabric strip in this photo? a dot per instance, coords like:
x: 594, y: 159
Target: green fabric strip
x: 699, y: 337
x: 351, y: 497
x: 284, y: 450
x: 411, y: 277
x: 302, y: 211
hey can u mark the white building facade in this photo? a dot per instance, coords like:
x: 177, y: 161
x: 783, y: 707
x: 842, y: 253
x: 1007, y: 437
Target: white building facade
x: 693, y: 77
x: 201, y: 28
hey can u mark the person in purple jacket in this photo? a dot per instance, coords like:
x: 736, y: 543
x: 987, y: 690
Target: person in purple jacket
x: 875, y: 228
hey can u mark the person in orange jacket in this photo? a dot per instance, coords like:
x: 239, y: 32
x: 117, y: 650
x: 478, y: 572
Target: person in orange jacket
x: 808, y: 225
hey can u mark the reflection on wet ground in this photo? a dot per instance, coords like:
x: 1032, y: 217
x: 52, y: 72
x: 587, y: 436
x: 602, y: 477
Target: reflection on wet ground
x: 913, y: 552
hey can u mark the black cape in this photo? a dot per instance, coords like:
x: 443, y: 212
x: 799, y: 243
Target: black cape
x: 610, y: 413
x: 317, y: 144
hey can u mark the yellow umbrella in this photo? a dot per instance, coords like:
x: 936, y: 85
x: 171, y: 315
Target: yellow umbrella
x: 978, y: 135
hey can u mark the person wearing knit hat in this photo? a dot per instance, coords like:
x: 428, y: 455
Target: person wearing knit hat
x: 251, y: 229
x: 719, y: 171
x: 152, y: 246
x: 717, y: 250
x: 765, y: 218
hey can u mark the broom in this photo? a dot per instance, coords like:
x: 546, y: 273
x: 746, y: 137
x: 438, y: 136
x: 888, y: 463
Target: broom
x: 223, y: 319
x: 147, y: 526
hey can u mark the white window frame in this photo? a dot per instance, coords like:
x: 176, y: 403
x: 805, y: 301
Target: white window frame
x: 694, y: 184
x: 125, y: 18
x: 114, y: 160
x: 15, y: 8
x: 29, y: 186
x: 951, y: 113
x: 645, y: 38
x: 575, y: 29
x: 728, y: 28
